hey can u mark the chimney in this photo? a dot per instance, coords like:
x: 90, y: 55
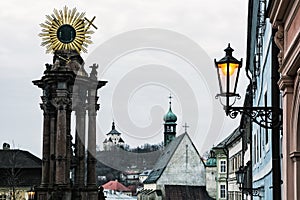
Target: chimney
x: 6, y: 146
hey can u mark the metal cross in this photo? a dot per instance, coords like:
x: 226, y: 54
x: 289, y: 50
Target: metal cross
x: 185, y: 127
x: 170, y: 97
x: 90, y: 23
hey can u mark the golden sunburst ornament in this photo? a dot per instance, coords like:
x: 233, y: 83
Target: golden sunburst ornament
x: 66, y: 30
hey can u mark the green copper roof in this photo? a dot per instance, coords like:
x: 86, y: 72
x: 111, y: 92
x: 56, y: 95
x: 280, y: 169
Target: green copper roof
x: 211, y: 162
x: 170, y: 116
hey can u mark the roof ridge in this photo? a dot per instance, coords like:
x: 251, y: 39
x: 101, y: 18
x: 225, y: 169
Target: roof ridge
x: 165, y: 162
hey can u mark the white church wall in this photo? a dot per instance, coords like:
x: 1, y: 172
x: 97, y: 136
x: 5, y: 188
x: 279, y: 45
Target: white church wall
x: 185, y: 167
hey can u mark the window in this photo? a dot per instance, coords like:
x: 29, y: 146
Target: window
x: 238, y: 196
x: 230, y: 195
x: 222, y: 166
x: 222, y: 191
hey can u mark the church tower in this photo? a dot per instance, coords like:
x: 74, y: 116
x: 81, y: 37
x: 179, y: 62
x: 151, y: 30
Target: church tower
x: 113, y: 139
x: 170, y: 125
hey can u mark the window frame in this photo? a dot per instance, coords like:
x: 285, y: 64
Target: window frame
x: 223, y: 166
x: 222, y: 191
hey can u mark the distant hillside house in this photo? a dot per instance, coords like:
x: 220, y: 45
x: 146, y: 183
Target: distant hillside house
x: 112, y: 187
x: 113, y: 139
x: 19, y: 172
x: 178, y: 174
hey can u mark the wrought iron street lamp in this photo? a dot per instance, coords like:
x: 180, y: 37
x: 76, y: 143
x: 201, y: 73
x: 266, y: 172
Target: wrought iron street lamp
x: 240, y: 176
x: 228, y: 70
x: 240, y: 179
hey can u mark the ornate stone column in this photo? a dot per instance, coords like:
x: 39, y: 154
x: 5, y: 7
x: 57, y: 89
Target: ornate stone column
x: 52, y: 146
x: 286, y: 84
x: 93, y: 107
x: 46, y: 143
x: 80, y: 146
x: 61, y: 178
x: 91, y: 160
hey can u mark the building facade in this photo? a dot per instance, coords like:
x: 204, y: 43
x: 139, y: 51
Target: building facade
x: 229, y: 158
x: 285, y: 16
x: 210, y: 174
x: 221, y: 173
x: 235, y: 155
x: 263, y: 66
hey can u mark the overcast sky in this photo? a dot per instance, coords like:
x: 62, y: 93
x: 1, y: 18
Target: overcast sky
x: 208, y: 25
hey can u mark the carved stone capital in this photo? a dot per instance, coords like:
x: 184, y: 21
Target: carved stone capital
x: 46, y: 105
x: 295, y: 156
x: 285, y: 82
x: 61, y: 103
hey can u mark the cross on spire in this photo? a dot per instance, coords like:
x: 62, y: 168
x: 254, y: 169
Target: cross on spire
x: 185, y: 127
x: 170, y: 97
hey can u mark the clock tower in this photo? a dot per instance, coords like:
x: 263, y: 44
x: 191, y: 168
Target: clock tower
x: 68, y: 165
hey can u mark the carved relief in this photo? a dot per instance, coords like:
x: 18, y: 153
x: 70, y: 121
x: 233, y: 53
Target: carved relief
x: 279, y: 41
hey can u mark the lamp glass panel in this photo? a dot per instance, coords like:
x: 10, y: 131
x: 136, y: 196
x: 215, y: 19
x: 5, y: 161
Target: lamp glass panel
x: 240, y: 175
x: 232, y: 69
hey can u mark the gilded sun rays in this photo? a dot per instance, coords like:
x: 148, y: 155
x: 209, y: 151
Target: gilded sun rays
x: 66, y: 30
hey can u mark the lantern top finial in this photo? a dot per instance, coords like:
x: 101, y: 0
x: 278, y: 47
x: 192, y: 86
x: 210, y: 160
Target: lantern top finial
x: 229, y: 50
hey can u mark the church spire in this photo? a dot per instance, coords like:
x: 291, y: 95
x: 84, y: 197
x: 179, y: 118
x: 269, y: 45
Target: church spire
x: 170, y: 117
x: 170, y: 124
x: 113, y: 125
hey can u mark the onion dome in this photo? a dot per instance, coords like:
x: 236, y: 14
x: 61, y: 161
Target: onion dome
x: 170, y: 116
x: 211, y: 162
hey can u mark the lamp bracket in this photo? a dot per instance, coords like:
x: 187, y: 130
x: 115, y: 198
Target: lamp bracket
x: 251, y: 191
x: 266, y: 117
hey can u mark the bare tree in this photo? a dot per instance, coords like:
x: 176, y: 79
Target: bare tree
x: 13, y: 171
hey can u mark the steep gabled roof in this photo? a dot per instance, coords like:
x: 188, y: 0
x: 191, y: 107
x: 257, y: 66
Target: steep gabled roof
x: 16, y: 158
x: 163, y: 160
x: 229, y: 139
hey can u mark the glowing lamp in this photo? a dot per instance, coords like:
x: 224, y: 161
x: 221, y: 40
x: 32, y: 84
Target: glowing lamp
x: 228, y: 69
